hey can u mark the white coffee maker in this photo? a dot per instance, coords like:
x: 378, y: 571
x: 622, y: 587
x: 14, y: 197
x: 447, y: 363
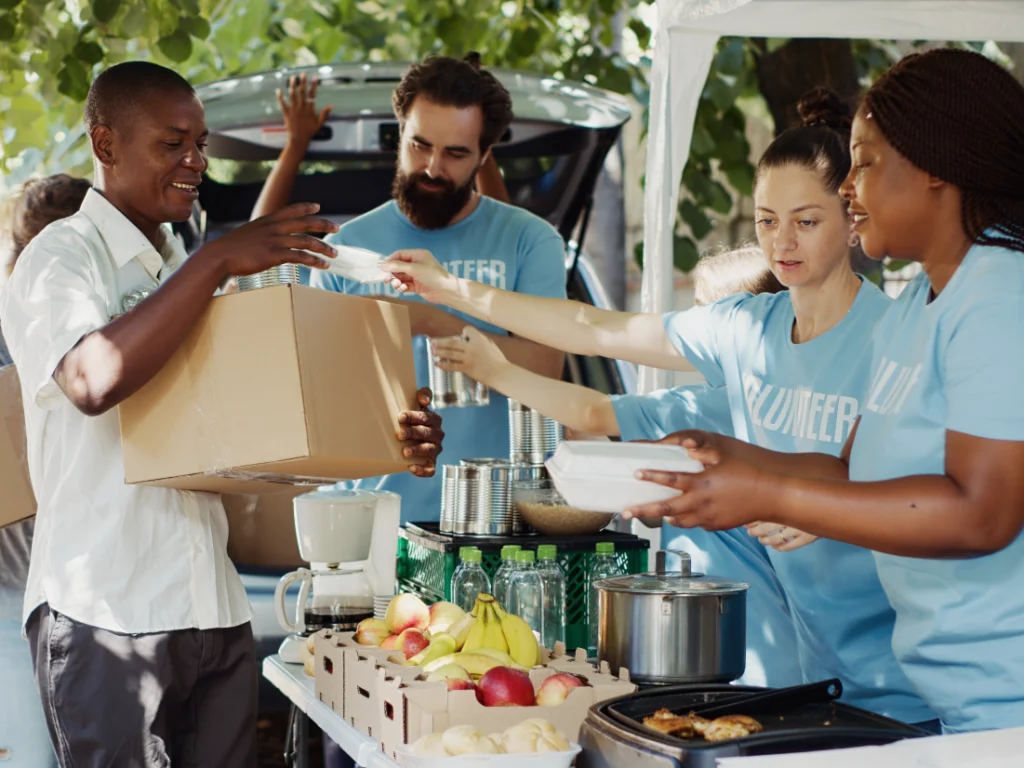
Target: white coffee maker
x: 350, y: 539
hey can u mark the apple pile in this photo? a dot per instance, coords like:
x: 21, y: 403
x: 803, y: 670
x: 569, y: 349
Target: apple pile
x: 528, y: 737
x: 407, y: 625
x: 508, y: 687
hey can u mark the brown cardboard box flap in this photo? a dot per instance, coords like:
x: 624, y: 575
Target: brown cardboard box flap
x: 18, y: 500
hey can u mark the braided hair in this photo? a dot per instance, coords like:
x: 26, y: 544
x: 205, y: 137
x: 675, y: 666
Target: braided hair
x: 960, y: 117
x: 821, y: 142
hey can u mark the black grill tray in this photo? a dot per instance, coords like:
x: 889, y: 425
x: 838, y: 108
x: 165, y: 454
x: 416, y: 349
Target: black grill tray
x: 800, y: 728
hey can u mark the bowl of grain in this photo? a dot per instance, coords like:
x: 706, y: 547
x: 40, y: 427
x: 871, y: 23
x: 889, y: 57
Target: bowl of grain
x: 541, y: 506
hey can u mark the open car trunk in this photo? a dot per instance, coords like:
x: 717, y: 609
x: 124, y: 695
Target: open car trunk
x: 551, y: 157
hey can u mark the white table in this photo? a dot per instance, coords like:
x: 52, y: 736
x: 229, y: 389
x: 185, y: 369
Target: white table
x: 294, y: 683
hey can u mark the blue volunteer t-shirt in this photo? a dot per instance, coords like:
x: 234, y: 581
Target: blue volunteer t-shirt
x: 800, y: 398
x: 771, y: 640
x: 497, y: 244
x: 955, y: 363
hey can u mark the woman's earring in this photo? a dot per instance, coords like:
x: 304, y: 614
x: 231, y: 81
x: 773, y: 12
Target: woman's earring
x: 854, y: 241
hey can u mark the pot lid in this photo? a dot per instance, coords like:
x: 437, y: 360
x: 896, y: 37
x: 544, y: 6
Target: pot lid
x: 695, y: 584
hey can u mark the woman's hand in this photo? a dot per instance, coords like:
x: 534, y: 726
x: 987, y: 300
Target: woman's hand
x: 780, y: 537
x: 300, y: 115
x: 473, y: 354
x: 731, y: 491
x: 417, y: 271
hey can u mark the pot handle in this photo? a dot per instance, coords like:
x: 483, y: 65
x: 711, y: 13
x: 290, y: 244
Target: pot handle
x: 684, y: 557
x: 811, y: 693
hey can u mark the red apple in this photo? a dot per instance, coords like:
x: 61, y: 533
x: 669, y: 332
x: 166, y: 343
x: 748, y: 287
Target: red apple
x: 388, y: 643
x: 505, y: 687
x: 553, y: 691
x: 458, y: 684
x: 411, y: 642
x: 407, y: 612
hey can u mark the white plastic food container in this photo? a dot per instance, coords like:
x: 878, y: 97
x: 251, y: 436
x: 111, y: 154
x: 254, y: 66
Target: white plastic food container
x: 601, y: 476
x: 538, y: 760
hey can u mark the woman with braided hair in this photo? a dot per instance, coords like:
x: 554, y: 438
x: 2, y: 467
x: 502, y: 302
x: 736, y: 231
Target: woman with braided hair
x: 936, y: 456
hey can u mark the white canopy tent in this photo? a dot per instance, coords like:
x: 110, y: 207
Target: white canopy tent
x: 685, y: 41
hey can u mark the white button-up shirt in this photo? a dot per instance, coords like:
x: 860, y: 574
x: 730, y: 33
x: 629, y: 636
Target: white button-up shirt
x: 125, y: 558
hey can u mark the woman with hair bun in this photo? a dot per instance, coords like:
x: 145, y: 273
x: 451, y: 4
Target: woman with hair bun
x: 936, y: 455
x: 794, y: 366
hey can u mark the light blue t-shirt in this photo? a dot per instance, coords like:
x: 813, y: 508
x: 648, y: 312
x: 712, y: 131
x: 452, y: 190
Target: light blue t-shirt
x: 497, y: 244
x: 955, y: 363
x: 799, y: 398
x: 771, y: 640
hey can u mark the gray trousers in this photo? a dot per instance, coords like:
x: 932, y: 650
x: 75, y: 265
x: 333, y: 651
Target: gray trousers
x: 185, y: 698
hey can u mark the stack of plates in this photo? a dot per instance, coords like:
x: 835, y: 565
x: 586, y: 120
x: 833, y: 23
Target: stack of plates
x: 380, y: 605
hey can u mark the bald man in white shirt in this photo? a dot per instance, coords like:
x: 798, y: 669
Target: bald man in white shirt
x: 137, y: 620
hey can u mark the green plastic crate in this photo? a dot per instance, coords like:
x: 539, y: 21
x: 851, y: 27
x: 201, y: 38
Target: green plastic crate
x: 427, y: 560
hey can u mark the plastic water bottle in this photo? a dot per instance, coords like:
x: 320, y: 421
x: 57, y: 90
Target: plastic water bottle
x: 527, y: 592
x: 553, y: 583
x: 503, y: 576
x: 460, y: 568
x: 604, y: 567
x: 470, y: 580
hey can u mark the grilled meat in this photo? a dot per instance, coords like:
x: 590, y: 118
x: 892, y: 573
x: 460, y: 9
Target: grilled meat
x: 730, y: 727
x: 692, y: 725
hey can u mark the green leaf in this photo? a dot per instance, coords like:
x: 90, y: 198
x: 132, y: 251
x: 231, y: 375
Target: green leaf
x: 73, y: 79
x: 698, y: 222
x: 524, y: 41
x: 684, y: 253
x: 8, y: 29
x: 176, y: 46
x: 642, y: 32
x: 719, y: 92
x: 731, y: 58
x: 196, y: 26
x: 741, y: 177
x: 720, y: 199
x: 191, y: 7
x: 9, y: 5
x: 774, y: 43
x: 702, y: 142
x: 88, y: 53
x: 105, y: 10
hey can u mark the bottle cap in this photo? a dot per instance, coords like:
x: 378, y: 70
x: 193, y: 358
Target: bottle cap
x: 524, y: 556
x: 547, y: 552
x: 606, y: 548
x: 508, y: 552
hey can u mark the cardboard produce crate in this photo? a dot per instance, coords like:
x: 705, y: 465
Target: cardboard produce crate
x: 19, y: 501
x: 413, y: 709
x: 281, y: 385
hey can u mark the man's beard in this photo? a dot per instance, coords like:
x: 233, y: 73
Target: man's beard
x: 425, y: 209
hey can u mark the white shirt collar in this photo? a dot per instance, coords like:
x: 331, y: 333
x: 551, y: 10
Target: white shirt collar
x: 125, y: 241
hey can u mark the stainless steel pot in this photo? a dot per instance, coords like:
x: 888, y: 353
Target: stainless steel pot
x: 677, y: 627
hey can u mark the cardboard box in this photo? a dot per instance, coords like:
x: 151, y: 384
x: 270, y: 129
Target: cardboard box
x: 410, y: 710
x: 17, y: 500
x: 261, y: 529
x: 288, y: 384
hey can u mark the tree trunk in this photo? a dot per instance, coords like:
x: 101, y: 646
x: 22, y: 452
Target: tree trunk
x: 786, y: 74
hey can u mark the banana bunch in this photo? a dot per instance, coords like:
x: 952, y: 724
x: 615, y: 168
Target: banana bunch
x: 476, y: 663
x: 489, y: 626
